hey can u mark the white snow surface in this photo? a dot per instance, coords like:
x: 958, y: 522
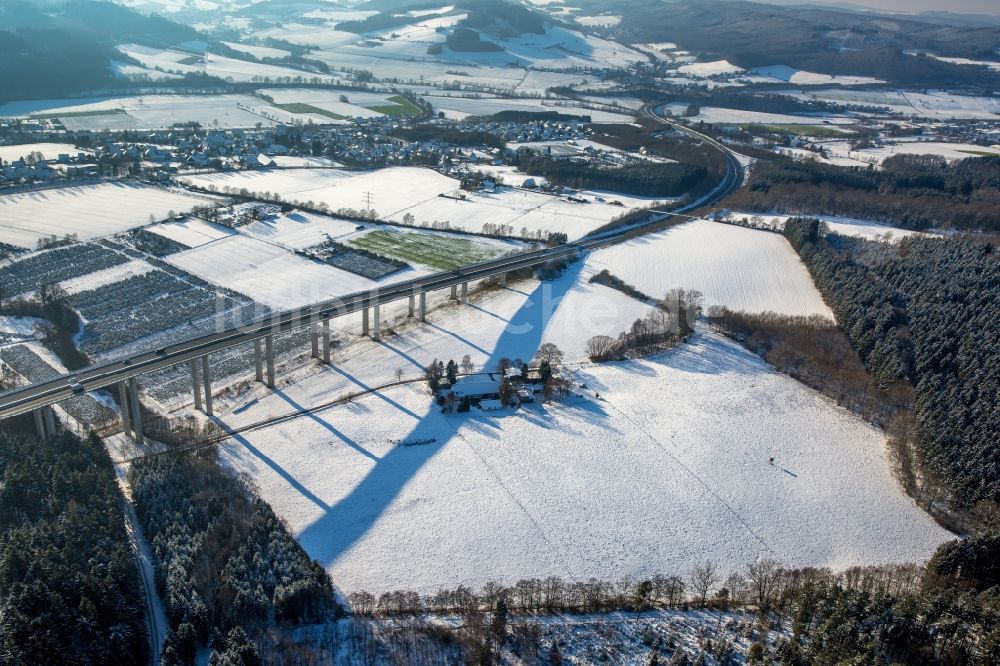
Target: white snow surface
x: 49, y: 151
x: 948, y: 150
x: 269, y: 273
x: 803, y: 78
x: 712, y: 114
x: 398, y: 191
x: 191, y: 231
x: 107, y: 276
x: 19, y: 328
x: 89, y: 211
x: 930, y: 104
x: 845, y: 226
x: 705, y: 69
x: 742, y: 269
x: 459, y: 108
x: 669, y: 467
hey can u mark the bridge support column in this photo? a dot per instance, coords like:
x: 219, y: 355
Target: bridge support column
x: 364, y: 322
x: 413, y: 306
x: 423, y: 306
x: 258, y: 360
x: 454, y: 292
x: 195, y: 384
x: 123, y: 401
x: 465, y: 293
x: 206, y: 376
x: 50, y: 420
x: 39, y: 423
x: 133, y: 395
x: 314, y: 339
x: 503, y: 279
x: 269, y: 357
x: 377, y: 328
x: 326, y: 341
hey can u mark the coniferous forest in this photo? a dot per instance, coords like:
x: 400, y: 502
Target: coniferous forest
x: 69, y: 584
x: 924, y: 310
x: 909, y: 191
x: 223, y: 560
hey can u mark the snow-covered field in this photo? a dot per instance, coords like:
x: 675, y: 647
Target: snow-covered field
x: 89, y: 211
x: 153, y: 111
x: 212, y: 64
x: 357, y: 106
x: 845, y: 226
x: 742, y: 269
x: 107, y: 276
x: 401, y: 53
x: 459, y: 108
x: 191, y: 231
x: 995, y: 66
x: 712, y: 114
x: 49, y: 151
x: 779, y: 73
x: 930, y: 104
x: 947, y: 150
x: 400, y: 191
x: 667, y: 468
x: 714, y: 68
x: 270, y: 274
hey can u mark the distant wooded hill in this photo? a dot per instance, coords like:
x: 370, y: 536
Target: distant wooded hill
x: 812, y: 39
x: 57, y: 49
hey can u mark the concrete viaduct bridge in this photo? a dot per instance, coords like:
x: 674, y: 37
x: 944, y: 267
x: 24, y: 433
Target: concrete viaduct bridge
x: 39, y: 398
x: 123, y: 375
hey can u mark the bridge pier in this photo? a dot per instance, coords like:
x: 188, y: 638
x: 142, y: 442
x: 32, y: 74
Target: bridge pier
x: 39, y: 423
x: 423, y: 306
x: 50, y: 420
x: 412, y: 307
x: 377, y: 330
x: 314, y: 339
x: 326, y: 341
x: 206, y: 376
x: 195, y: 384
x: 465, y: 293
x: 133, y: 395
x: 258, y: 360
x: 269, y: 358
x: 503, y: 279
x: 123, y: 401
x: 364, y: 321
x: 454, y: 292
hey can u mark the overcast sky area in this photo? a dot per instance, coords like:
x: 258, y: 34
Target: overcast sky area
x: 991, y: 7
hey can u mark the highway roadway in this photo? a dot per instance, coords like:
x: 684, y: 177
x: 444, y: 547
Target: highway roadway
x: 33, y: 397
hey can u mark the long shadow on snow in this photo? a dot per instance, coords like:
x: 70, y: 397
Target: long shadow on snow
x: 347, y: 521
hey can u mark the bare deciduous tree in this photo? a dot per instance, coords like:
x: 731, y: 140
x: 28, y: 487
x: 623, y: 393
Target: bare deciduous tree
x: 468, y: 367
x: 703, y: 578
x: 763, y: 577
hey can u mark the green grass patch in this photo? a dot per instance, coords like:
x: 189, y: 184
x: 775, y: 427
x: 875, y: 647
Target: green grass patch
x: 299, y: 107
x: 802, y: 130
x: 80, y: 114
x: 400, y: 107
x: 442, y: 252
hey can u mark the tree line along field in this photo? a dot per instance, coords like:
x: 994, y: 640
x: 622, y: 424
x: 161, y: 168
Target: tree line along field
x: 87, y: 211
x: 909, y: 191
